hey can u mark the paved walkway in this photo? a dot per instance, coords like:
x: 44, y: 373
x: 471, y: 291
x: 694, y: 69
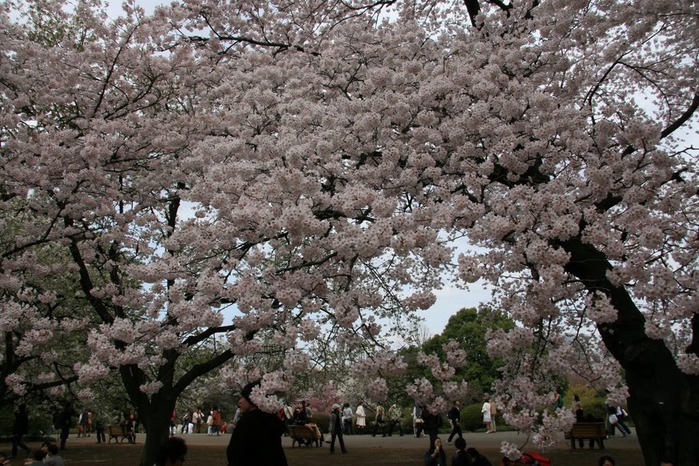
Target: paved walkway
x: 396, y: 441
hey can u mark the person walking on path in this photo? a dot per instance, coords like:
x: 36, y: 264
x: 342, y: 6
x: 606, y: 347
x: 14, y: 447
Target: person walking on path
x: 20, y: 429
x: 335, y: 429
x: 378, y: 421
x: 394, y: 415
x: 257, y: 437
x: 454, y: 416
x: 621, y: 414
x: 64, y: 422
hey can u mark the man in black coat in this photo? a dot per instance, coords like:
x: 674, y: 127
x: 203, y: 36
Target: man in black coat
x: 20, y: 429
x: 433, y: 421
x: 257, y: 437
x: 454, y: 416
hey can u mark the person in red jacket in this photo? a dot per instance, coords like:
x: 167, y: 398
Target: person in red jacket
x: 217, y: 421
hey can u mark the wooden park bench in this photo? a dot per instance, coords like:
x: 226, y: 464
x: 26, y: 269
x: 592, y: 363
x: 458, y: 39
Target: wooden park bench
x: 587, y: 431
x: 305, y: 435
x: 115, y: 432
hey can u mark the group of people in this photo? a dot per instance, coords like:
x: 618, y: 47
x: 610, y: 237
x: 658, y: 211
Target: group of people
x: 426, y: 422
x: 256, y: 438
x: 437, y: 456
x: 197, y: 421
x: 48, y: 454
x: 616, y: 416
x: 489, y: 411
x: 62, y: 421
x: 193, y: 421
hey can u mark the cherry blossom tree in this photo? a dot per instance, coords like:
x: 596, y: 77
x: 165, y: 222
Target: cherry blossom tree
x: 115, y: 153
x: 308, y: 163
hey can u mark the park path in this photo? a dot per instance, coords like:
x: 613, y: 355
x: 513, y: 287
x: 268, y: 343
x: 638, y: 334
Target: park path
x: 477, y: 440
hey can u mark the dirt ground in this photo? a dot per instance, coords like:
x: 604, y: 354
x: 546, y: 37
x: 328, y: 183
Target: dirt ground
x: 362, y: 450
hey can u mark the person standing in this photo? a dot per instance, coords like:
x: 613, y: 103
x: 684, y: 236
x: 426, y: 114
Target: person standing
x: 493, y: 413
x: 288, y: 416
x: 257, y: 437
x: 577, y: 408
x: 432, y: 424
x: 394, y: 415
x: 210, y: 423
x: 64, y: 423
x: 579, y: 416
x: 347, y: 419
x: 100, y: 426
x: 20, y: 428
x: 454, y: 416
x: 196, y: 420
x: 218, y: 421
x: 418, y: 422
x: 556, y: 400
x: 378, y: 421
x: 361, y: 417
x: 487, y: 416
x: 335, y: 429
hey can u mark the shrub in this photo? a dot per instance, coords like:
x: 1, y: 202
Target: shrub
x: 472, y: 418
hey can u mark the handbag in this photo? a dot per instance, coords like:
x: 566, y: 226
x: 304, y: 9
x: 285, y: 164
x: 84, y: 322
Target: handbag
x: 613, y: 419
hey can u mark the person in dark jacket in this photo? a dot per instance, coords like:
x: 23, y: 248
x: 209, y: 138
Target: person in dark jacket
x: 336, y: 429
x: 460, y: 458
x: 173, y: 452
x: 477, y: 459
x: 64, y: 422
x: 432, y: 423
x: 20, y: 429
x: 454, y: 416
x: 436, y: 456
x: 257, y: 437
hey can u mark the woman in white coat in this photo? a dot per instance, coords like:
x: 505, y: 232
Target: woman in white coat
x: 487, y: 416
x: 361, y: 417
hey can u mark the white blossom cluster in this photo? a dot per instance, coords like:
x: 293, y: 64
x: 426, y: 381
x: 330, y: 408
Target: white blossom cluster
x: 297, y: 185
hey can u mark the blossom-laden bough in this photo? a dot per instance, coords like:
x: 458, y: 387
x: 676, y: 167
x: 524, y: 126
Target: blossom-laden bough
x: 302, y: 162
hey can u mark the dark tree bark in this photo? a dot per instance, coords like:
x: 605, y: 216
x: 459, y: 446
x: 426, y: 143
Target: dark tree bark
x: 663, y: 401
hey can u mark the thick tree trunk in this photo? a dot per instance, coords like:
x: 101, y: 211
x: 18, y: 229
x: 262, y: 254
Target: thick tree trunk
x: 156, y: 421
x: 663, y: 405
x: 154, y: 412
x: 663, y: 401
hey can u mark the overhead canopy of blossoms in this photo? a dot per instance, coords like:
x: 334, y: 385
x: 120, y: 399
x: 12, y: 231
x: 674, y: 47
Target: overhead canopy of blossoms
x: 302, y: 162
